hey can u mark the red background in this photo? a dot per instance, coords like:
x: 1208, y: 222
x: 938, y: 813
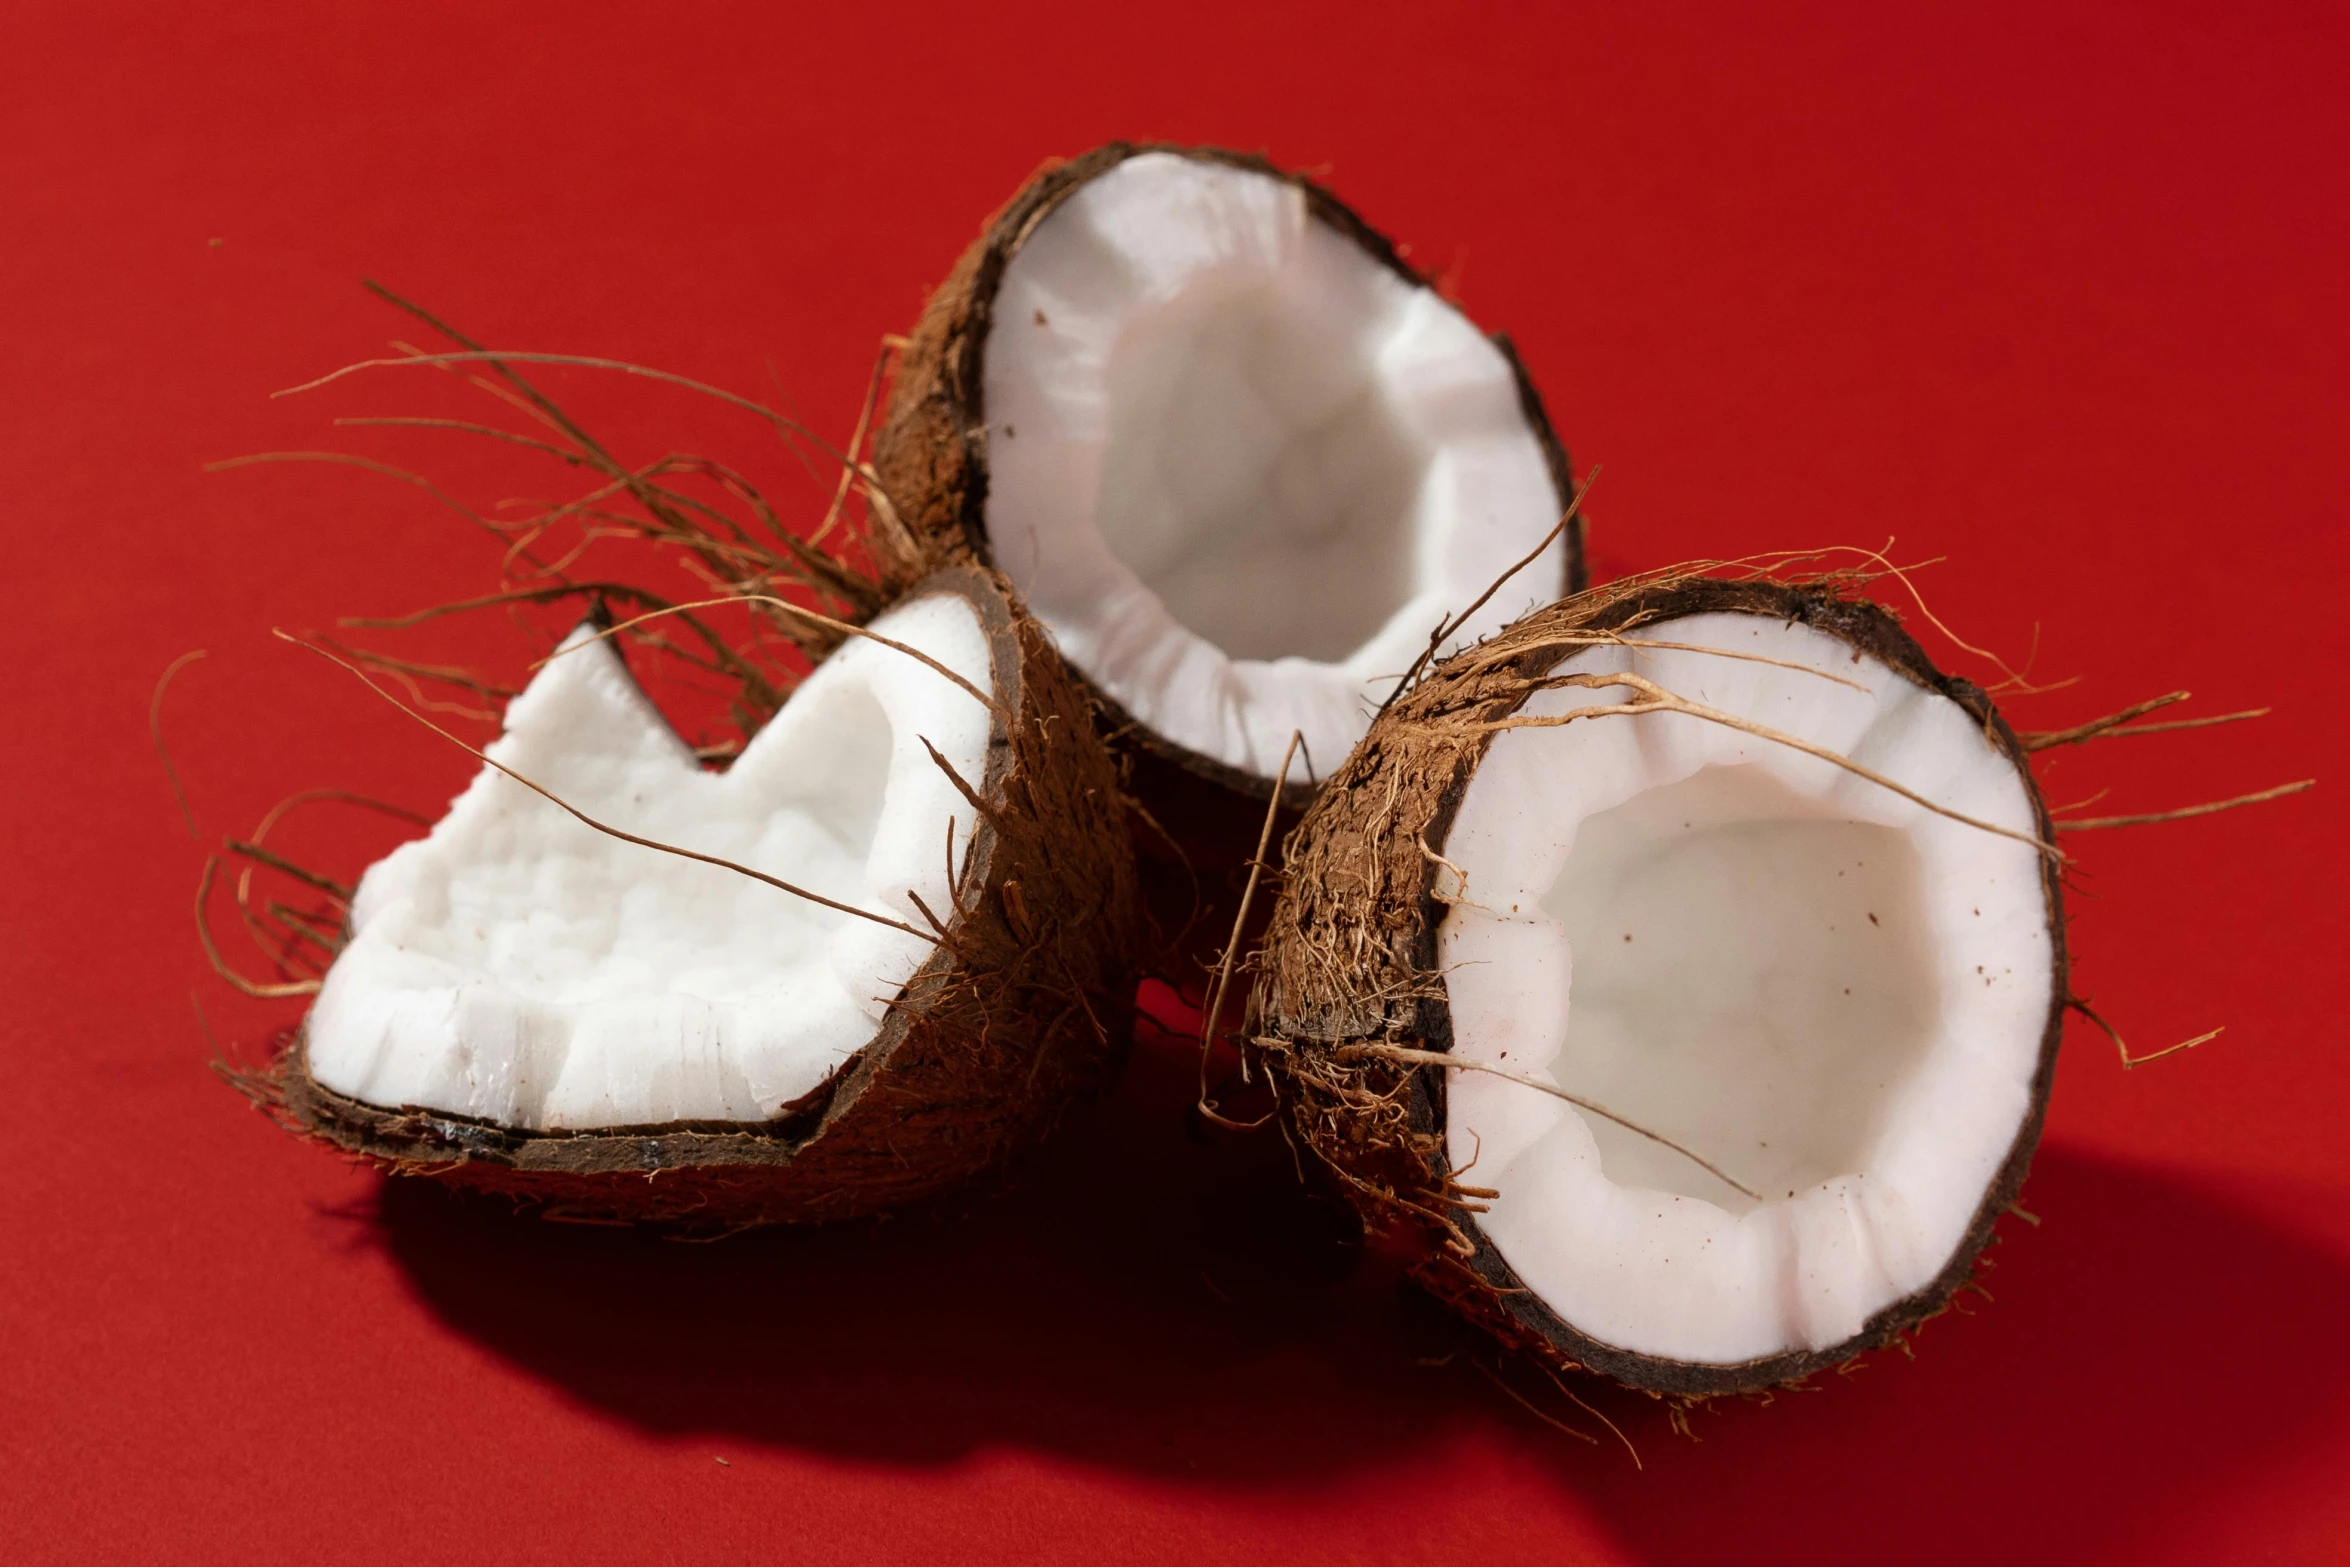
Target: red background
x: 2054, y: 291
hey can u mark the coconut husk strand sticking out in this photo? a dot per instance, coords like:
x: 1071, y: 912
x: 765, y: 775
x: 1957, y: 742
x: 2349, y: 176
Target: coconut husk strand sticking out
x: 1236, y: 454
x: 531, y: 1006
x: 1685, y: 966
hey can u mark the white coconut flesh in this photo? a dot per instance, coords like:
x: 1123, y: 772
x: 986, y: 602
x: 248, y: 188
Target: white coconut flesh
x: 1240, y: 468
x: 517, y: 966
x: 1831, y: 993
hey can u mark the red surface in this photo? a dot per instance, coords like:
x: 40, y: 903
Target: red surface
x: 2052, y: 290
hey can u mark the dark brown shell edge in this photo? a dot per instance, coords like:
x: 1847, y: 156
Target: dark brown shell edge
x: 1359, y: 848
x: 931, y: 452
x: 990, y: 1043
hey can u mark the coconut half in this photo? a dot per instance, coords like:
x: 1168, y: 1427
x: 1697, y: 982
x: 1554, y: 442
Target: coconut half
x: 1239, y: 458
x: 1809, y: 1021
x: 530, y: 1005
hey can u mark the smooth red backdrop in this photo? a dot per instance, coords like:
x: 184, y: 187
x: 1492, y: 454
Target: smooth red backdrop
x: 2055, y: 291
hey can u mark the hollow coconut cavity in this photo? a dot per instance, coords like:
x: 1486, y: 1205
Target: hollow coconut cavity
x: 530, y: 1005
x: 1811, y: 1022
x: 1238, y: 457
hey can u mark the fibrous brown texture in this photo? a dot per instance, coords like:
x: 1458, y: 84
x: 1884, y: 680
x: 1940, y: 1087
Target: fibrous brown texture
x: 931, y: 459
x: 1348, y: 976
x: 1023, y: 1011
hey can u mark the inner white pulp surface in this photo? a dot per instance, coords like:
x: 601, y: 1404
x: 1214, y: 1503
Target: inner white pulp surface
x: 1833, y: 994
x: 1242, y: 470
x: 518, y: 966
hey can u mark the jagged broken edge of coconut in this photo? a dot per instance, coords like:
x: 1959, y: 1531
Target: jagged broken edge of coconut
x: 1023, y: 1010
x: 932, y: 458
x: 1351, y: 961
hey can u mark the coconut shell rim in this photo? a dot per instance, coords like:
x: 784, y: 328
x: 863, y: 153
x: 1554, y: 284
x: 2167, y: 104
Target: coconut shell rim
x: 1872, y: 630
x: 414, y: 1135
x: 961, y: 381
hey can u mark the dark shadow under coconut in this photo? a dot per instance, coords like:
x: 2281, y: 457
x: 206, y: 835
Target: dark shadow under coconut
x: 1214, y: 1331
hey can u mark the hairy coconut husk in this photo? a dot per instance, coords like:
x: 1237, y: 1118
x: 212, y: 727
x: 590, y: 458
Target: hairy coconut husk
x: 932, y: 461
x: 1348, y: 974
x: 1024, y: 1010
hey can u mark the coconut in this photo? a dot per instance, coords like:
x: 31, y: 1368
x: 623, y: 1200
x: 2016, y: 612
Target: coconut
x: 1236, y: 454
x: 878, y: 956
x: 1685, y: 968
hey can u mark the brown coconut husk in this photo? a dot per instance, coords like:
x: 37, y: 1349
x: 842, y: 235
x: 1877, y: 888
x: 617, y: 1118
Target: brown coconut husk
x: 1349, y: 1016
x: 1024, y: 1011
x: 1200, y: 817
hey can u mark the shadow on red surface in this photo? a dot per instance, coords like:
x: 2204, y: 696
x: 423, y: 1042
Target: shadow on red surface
x: 1144, y: 1303
x: 1137, y: 1300
x: 2153, y: 1343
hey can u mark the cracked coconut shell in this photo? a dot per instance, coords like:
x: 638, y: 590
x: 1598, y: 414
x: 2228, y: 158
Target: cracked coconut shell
x: 1022, y: 1009
x: 1358, y: 1010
